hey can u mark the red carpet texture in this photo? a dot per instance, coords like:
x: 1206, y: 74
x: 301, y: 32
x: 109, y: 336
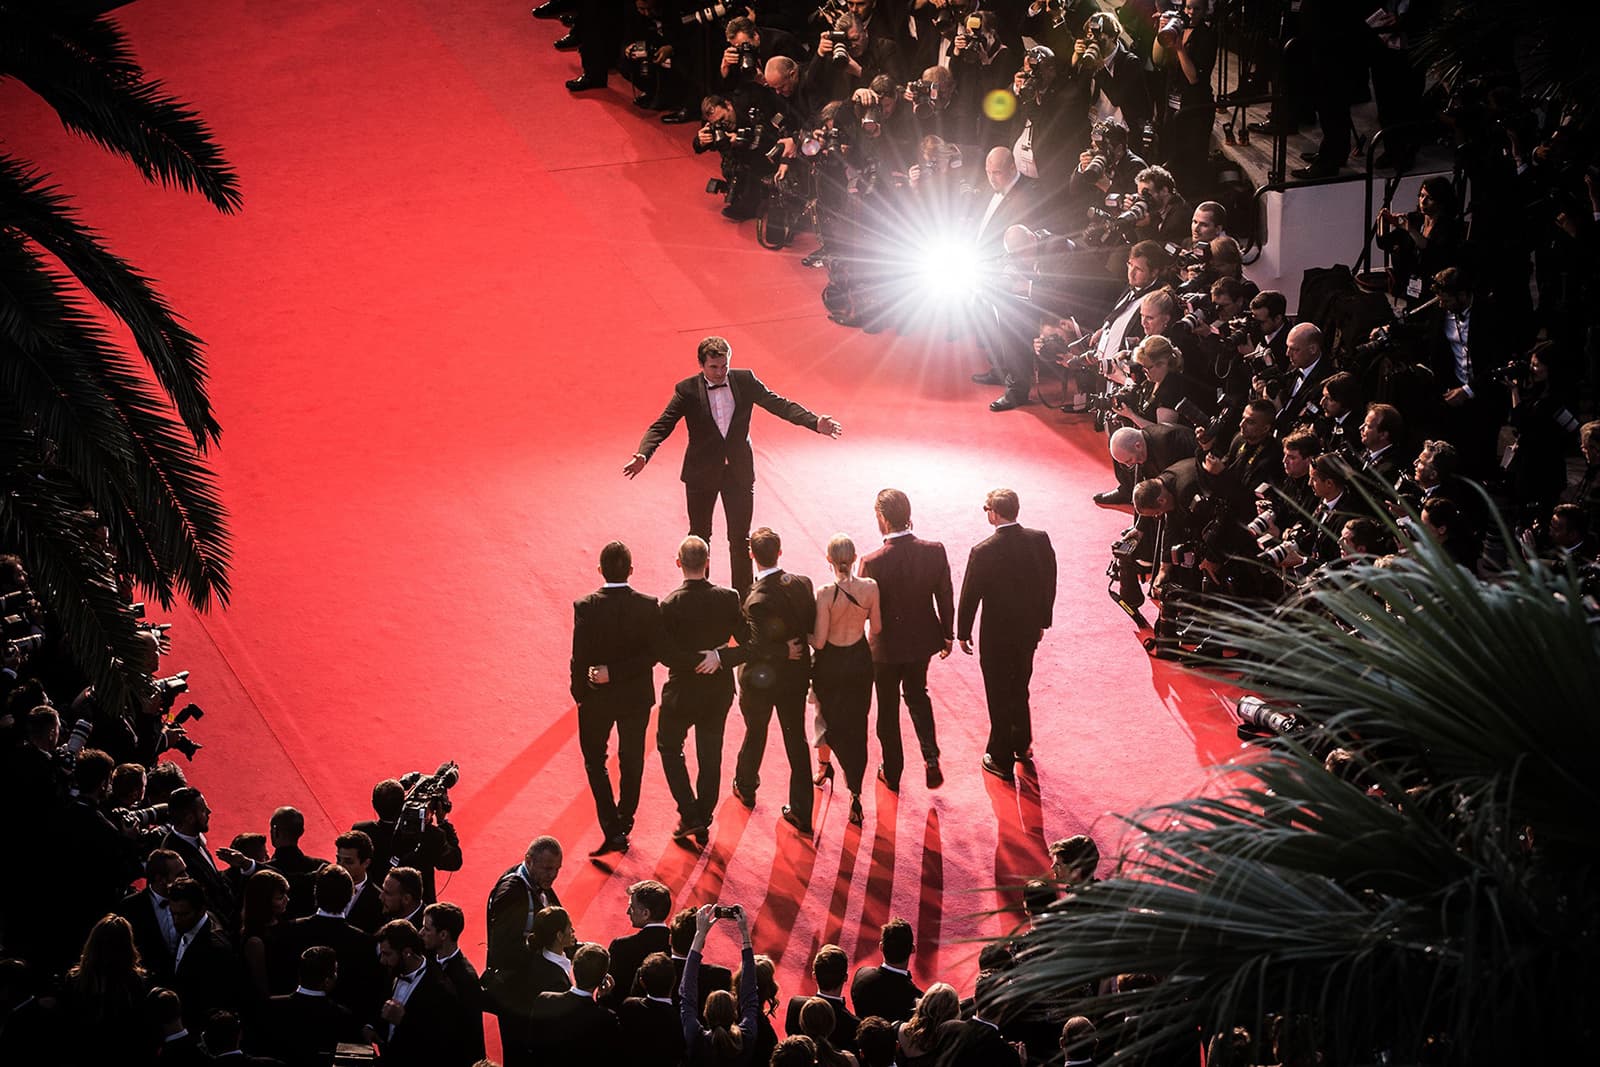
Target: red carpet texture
x: 455, y: 298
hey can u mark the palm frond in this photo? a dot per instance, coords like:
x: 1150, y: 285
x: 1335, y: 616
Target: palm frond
x: 84, y: 69
x: 44, y: 215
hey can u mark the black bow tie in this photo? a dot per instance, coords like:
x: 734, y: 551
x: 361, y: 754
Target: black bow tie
x: 719, y: 385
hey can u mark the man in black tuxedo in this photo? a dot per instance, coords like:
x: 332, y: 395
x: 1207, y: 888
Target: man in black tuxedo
x: 1309, y: 366
x: 304, y: 1027
x: 978, y: 1041
x: 695, y: 617
x: 649, y: 905
x: 711, y: 976
x: 1138, y: 453
x: 206, y: 972
x: 887, y: 991
x: 149, y: 913
x: 442, y: 926
x: 358, y: 976
x: 918, y: 608
x: 830, y: 968
x: 285, y: 830
x: 1381, y: 432
x: 651, y: 1028
x: 575, y: 1027
x: 1004, y: 328
x: 416, y: 1024
x: 190, y: 817
x: 616, y: 636
x: 435, y: 847
x: 352, y: 850
x: 1464, y: 341
x: 717, y: 404
x: 1012, y: 575
x: 775, y: 648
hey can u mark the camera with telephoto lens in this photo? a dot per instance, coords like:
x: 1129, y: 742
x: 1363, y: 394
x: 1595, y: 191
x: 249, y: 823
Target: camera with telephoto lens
x: 165, y: 689
x: 1259, y: 717
x: 139, y: 818
x: 67, y: 753
x: 1197, y: 256
x: 1052, y: 347
x: 1298, y: 537
x: 424, y: 792
x: 1262, y: 525
x: 177, y: 737
x: 920, y: 91
x: 1091, y: 51
x: 1095, y: 169
x: 1172, y: 25
x: 1240, y: 330
x: 1381, y: 341
x: 27, y: 643
x: 1199, y: 309
x: 705, y: 15
x: 1210, y: 425
x: 17, y: 601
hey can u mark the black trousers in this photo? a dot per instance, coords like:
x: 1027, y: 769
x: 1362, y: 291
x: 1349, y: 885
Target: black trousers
x: 1007, y: 671
x: 596, y: 719
x: 892, y: 680
x: 598, y: 27
x: 738, y: 504
x: 785, y: 694
x: 842, y: 677
x: 700, y: 703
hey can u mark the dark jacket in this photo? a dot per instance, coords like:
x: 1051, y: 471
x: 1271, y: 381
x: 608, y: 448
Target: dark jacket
x: 916, y: 597
x: 1012, y: 575
x: 709, y: 454
x: 619, y: 628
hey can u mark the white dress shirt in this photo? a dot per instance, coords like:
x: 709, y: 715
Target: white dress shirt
x: 720, y: 397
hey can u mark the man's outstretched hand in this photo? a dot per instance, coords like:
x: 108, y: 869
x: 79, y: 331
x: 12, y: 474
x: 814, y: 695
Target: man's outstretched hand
x: 635, y: 465
x: 827, y: 424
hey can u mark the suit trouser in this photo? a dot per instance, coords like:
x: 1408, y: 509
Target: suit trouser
x: 595, y: 721
x: 786, y: 696
x: 700, y: 703
x: 891, y: 679
x: 842, y: 677
x: 598, y: 27
x: 738, y: 504
x: 1007, y: 669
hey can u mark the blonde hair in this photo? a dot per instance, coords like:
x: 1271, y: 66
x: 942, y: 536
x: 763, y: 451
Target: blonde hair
x: 1157, y: 349
x: 939, y: 1004
x: 841, y: 551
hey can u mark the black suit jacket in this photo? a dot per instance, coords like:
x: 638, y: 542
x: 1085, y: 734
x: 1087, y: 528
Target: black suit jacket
x: 210, y: 977
x: 696, y: 616
x: 844, y: 1021
x: 627, y: 953
x: 882, y: 992
x: 467, y: 1043
x: 359, y: 981
x: 437, y: 848
x: 139, y: 909
x: 916, y: 598
x: 780, y: 606
x: 424, y: 1037
x: 975, y: 1043
x: 301, y: 870
x: 571, y: 1028
x: 219, y: 895
x: 652, y: 1033
x: 619, y: 628
x: 303, y: 1031
x: 709, y: 453
x: 1020, y: 204
x: 1012, y: 575
x: 366, y: 911
x: 1293, y: 405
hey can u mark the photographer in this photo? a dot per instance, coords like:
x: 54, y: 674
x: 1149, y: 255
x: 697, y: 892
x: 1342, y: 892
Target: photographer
x: 1297, y: 386
x: 848, y: 58
x: 1337, y: 418
x: 1167, y: 216
x: 1160, y: 388
x: 1423, y: 242
x: 1108, y: 165
x: 749, y: 48
x: 1057, y: 23
x: 1185, y: 50
x: 654, y: 60
x: 395, y: 844
x: 1047, y: 128
x: 744, y: 165
x: 1314, y: 542
x: 938, y: 110
x: 1381, y: 430
x: 981, y: 62
x: 1536, y: 464
x: 1117, y: 79
x: 1140, y: 454
x: 1252, y: 459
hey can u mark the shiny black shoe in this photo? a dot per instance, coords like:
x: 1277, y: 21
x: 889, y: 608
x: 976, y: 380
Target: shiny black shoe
x: 551, y: 9
x: 794, y: 820
x: 679, y: 116
x: 988, y: 377
x: 1113, y: 498
x: 583, y: 83
x: 567, y: 19
x: 569, y: 43
x: 747, y: 799
x: 614, y: 843
x: 935, y: 775
x: 991, y: 767
x: 1008, y: 402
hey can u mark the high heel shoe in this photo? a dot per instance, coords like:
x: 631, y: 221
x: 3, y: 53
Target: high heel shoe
x: 856, y: 815
x: 824, y: 774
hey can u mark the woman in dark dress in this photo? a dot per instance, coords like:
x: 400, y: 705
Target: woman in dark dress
x: 1423, y: 242
x: 842, y: 675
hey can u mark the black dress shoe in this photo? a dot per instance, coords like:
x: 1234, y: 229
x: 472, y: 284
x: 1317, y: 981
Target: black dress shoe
x: 1316, y: 170
x: 688, y: 828
x: 679, y: 117
x: 1113, y: 498
x: 614, y: 843
x: 794, y: 820
x: 883, y: 776
x: 935, y: 775
x: 748, y: 800
x: 552, y: 9
x: 991, y: 767
x: 569, y: 43
x: 583, y: 83
x: 1007, y: 402
x: 568, y: 18
x: 988, y: 377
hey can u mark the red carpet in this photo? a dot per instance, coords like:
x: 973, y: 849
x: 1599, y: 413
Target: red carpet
x: 454, y: 300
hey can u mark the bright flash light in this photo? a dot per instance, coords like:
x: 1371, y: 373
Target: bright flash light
x: 949, y: 270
